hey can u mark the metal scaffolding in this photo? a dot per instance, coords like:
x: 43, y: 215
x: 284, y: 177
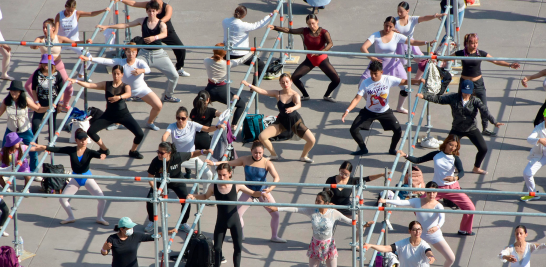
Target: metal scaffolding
x: 159, y: 198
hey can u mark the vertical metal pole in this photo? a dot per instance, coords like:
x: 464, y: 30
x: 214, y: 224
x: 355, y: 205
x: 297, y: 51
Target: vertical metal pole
x: 156, y: 226
x: 15, y: 226
x: 353, y: 211
x: 85, y: 103
x: 429, y: 117
x: 50, y: 88
x: 290, y: 23
x: 410, y: 112
x: 197, y: 193
x: 116, y: 21
x: 228, y: 63
x: 457, y: 28
x: 448, y: 32
x: 164, y: 214
x: 385, y: 241
x: 127, y: 30
x: 256, y: 108
x: 361, y: 218
x: 281, y: 13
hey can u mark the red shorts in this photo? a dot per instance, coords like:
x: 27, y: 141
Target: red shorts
x: 316, y: 60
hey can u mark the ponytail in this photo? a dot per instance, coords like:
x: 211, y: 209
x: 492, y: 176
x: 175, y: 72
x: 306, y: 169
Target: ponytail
x: 200, y: 102
x: 168, y: 146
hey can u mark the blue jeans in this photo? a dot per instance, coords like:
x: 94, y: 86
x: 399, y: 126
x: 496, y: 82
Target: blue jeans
x: 27, y: 137
x: 452, y: 29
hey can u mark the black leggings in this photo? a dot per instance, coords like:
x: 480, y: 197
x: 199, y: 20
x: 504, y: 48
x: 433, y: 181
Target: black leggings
x: 364, y: 120
x: 236, y: 230
x: 306, y: 66
x: 5, y: 212
x: 219, y: 94
x: 181, y: 192
x: 476, y: 138
x: 261, y: 66
x: 37, y: 120
x: 202, y: 140
x: 172, y: 39
x: 540, y: 115
x: 107, y: 119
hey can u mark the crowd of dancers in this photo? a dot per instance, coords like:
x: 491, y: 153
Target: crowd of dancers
x: 189, y: 138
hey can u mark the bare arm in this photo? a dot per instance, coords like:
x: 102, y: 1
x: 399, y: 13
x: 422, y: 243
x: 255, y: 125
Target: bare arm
x: 57, y: 24
x: 430, y: 17
x: 514, y: 65
x: 376, y: 176
x: 212, y: 128
x: 364, y: 49
x: 133, y: 23
x: 271, y: 169
x: 134, y: 3
x: 106, y: 248
x: 258, y: 90
x: 246, y: 190
x: 165, y: 136
x: 353, y: 104
x: 421, y: 43
x: 168, y: 13
x: 97, y: 86
x: 198, y: 153
x: 297, y: 101
x: 413, y: 82
x: 379, y: 248
x: 532, y: 77
x: 35, y: 107
x: 204, y: 196
x: 2, y: 109
x: 92, y: 13
x: 161, y: 35
x: 233, y: 163
x: 37, y: 40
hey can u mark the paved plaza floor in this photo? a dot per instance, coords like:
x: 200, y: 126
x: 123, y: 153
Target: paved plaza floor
x: 506, y: 28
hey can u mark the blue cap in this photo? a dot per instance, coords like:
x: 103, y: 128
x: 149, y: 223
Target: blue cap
x: 126, y: 222
x: 467, y: 87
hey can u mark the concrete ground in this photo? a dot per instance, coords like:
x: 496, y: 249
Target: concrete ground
x: 506, y: 28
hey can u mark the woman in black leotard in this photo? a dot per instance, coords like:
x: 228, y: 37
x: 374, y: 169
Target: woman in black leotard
x: 227, y: 216
x: 203, y: 115
x: 116, y: 111
x: 288, y: 119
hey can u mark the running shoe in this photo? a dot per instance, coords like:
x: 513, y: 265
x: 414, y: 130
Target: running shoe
x: 488, y: 133
x: 224, y: 259
x: 183, y: 73
x: 112, y: 127
x: 171, y: 99
x: 360, y: 152
x: 107, y: 151
x: 329, y: 99
x: 465, y: 233
x: 135, y: 154
x: 305, y: 98
x: 274, y: 158
x: 529, y: 198
x: 306, y: 159
x: 153, y: 127
x: 149, y: 227
x: 184, y: 228
x: 38, y: 179
x: 5, y: 234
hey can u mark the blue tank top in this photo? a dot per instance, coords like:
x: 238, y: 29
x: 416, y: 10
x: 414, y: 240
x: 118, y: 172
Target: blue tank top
x: 255, y: 174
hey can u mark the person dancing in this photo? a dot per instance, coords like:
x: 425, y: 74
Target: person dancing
x: 519, y: 253
x: 536, y: 158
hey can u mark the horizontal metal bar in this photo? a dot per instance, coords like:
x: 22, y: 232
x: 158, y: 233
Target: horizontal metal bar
x: 456, y: 211
x: 267, y: 204
x: 467, y: 191
x: 76, y: 196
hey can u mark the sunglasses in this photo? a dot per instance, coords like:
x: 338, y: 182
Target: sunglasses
x: 161, y: 152
x: 181, y: 118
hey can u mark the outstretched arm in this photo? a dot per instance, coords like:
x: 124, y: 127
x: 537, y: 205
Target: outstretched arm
x: 134, y: 3
x: 133, y: 23
x: 353, y: 104
x: 258, y: 90
x: 92, y: 13
x: 286, y: 30
x: 98, y: 86
x: 537, y: 75
x: 379, y: 248
x: 513, y: 65
x: 430, y: 17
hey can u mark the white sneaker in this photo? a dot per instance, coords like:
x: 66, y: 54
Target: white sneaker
x: 149, y: 227
x: 430, y: 143
x: 182, y: 73
x: 38, y: 179
x: 5, y: 234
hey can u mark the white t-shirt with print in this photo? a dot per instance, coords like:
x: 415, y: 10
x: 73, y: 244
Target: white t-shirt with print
x: 411, y: 256
x: 184, y: 139
x: 377, y: 93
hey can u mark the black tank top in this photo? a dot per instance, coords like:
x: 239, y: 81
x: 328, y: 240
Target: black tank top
x: 282, y: 106
x: 147, y: 32
x: 118, y: 107
x: 161, y: 15
x: 225, y: 212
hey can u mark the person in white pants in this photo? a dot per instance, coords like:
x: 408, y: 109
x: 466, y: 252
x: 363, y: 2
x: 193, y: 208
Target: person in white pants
x: 537, y: 158
x: 66, y: 24
x: 5, y: 50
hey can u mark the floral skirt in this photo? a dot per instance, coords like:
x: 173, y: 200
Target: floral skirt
x: 322, y: 249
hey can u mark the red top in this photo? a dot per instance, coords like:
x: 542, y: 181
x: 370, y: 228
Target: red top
x: 312, y: 42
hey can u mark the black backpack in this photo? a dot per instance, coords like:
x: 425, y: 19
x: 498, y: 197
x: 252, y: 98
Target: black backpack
x: 200, y: 252
x: 53, y: 185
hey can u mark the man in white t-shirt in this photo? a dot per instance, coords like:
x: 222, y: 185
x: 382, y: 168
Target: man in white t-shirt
x: 376, y: 91
x: 412, y: 251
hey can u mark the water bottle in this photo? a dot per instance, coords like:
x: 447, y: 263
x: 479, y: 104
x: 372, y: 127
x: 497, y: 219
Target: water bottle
x: 20, y: 248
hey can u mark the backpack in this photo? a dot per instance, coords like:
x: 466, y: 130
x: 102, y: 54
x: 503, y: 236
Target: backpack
x: 53, y: 185
x: 8, y: 258
x: 200, y: 252
x: 274, y: 70
x: 75, y: 114
x: 446, y: 80
x: 433, y: 81
x: 253, y: 125
x: 390, y: 260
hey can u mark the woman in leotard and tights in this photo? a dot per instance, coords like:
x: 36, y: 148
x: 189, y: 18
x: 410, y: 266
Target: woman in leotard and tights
x: 323, y: 246
x: 115, y: 93
x: 519, y: 253
x: 227, y: 216
x: 80, y: 158
x: 256, y: 168
x: 288, y: 101
x: 472, y: 71
x: 385, y: 42
x: 314, y: 38
x: 431, y: 222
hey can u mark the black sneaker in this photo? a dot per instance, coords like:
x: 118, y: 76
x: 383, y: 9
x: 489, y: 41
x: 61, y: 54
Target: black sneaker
x: 465, y: 233
x: 360, y: 152
x: 224, y: 259
x: 107, y: 151
x: 392, y: 151
x: 135, y: 154
x: 187, y: 175
x: 488, y: 133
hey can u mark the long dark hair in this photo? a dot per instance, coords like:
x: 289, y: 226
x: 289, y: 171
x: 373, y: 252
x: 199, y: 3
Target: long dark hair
x: 522, y: 227
x: 404, y: 5
x: 168, y: 146
x: 21, y: 101
x: 390, y: 19
x: 346, y: 165
x: 6, y: 152
x: 326, y: 196
x: 200, y: 102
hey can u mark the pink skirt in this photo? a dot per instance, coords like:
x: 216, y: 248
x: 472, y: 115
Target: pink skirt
x: 322, y: 249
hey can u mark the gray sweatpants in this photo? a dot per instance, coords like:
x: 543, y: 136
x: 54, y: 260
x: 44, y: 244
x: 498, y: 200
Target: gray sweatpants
x: 160, y: 60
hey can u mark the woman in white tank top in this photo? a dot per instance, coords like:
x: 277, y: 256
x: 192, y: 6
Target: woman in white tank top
x: 5, y: 50
x: 66, y: 24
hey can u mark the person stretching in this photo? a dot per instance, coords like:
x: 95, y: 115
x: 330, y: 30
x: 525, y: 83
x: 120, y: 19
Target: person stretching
x: 80, y: 158
x: 464, y: 108
x: 412, y: 251
x: 314, y: 38
x: 227, y: 215
x: 519, y: 253
x: 539, y: 118
x: 5, y: 50
x: 288, y: 102
x: 430, y: 221
x: 323, y: 246
x: 446, y: 160
x: 536, y: 158
x: 115, y: 93
x: 14, y: 149
x: 66, y: 24
x: 376, y: 91
x: 165, y: 14
x: 238, y: 35
x: 133, y: 75
x: 203, y: 114
x: 153, y: 30
x: 386, y: 42
x: 256, y: 168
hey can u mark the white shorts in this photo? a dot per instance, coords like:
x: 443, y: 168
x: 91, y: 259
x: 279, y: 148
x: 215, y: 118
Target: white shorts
x: 140, y: 92
x: 433, y: 238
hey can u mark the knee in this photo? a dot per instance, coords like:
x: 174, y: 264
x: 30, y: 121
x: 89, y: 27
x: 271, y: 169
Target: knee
x: 296, y: 77
x: 354, y: 130
x: 336, y: 79
x: 482, y: 149
x: 527, y: 173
